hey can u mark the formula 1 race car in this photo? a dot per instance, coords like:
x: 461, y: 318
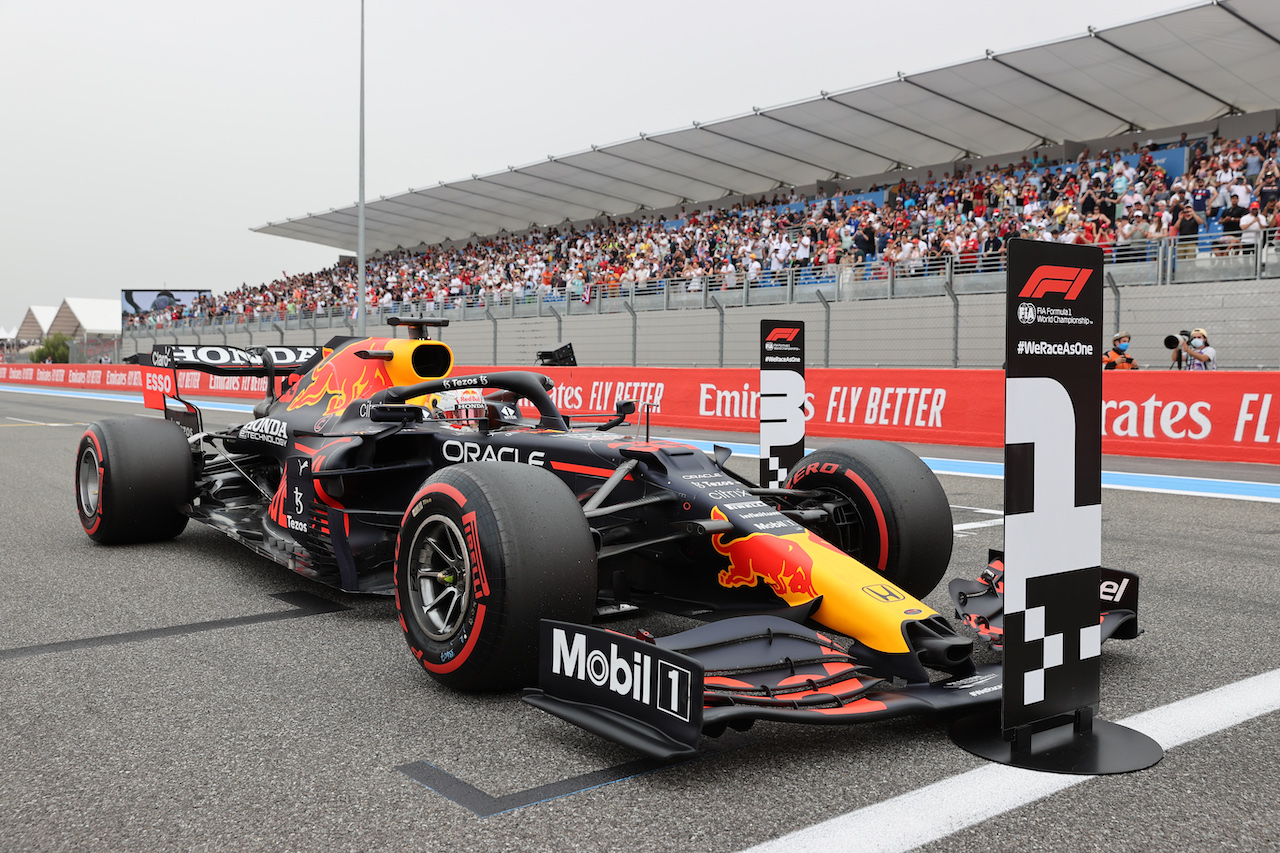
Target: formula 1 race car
x: 503, y: 526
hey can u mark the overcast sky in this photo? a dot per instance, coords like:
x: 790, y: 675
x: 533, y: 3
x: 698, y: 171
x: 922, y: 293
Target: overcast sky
x: 142, y: 140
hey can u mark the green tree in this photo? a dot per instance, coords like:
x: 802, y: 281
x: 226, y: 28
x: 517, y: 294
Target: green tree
x: 57, y: 346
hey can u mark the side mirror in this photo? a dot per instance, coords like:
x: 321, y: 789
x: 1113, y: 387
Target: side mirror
x: 623, y: 408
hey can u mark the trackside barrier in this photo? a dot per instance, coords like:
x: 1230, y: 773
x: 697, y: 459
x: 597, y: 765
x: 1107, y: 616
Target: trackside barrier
x: 129, y: 378
x: 1219, y: 416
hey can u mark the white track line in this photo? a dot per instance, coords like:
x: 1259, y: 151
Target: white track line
x: 973, y: 525
x: 946, y: 807
x: 25, y: 422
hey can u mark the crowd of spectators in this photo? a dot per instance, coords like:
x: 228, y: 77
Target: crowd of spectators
x: 1121, y: 200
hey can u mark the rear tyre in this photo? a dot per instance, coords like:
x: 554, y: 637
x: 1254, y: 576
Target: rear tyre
x: 886, y: 509
x: 133, y: 476
x: 485, y: 551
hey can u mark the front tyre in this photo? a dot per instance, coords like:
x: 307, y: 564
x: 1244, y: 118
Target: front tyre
x: 485, y: 551
x: 133, y: 476
x: 885, y: 508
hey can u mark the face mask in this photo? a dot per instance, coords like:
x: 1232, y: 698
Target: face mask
x: 1197, y: 342
x: 1122, y: 346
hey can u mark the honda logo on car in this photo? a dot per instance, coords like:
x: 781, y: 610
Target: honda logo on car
x: 655, y: 683
x: 214, y: 355
x: 884, y: 592
x: 268, y: 430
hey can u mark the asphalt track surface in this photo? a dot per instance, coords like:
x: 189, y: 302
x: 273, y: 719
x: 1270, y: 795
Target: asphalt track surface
x: 189, y: 695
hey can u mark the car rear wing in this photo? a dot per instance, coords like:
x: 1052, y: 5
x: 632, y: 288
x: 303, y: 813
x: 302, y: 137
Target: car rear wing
x: 228, y: 360
x: 160, y: 373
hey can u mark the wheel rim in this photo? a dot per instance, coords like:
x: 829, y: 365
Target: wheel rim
x: 440, y: 578
x: 88, y: 482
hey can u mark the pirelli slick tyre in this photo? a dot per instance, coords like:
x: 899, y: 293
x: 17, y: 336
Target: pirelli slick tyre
x: 486, y: 550
x: 886, y: 509
x: 133, y: 476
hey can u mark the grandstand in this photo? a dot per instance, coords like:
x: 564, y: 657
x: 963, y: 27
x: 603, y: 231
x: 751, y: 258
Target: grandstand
x: 905, y: 189
x: 1121, y: 85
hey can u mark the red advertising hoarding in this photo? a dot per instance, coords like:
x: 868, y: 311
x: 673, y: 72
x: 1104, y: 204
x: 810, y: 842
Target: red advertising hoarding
x: 1222, y: 415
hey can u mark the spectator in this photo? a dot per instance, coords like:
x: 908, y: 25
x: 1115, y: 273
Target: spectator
x: 1268, y: 190
x: 966, y: 216
x: 1241, y: 191
x: 1187, y: 228
x: 1229, y: 242
x: 1251, y: 225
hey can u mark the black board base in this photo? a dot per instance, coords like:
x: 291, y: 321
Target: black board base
x: 1107, y: 748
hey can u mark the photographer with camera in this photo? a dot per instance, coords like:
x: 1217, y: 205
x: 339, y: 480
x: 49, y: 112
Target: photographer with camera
x: 1195, y: 344
x: 1118, y: 358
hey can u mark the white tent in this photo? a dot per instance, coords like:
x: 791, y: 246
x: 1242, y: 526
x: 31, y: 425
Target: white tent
x: 35, y: 324
x: 78, y: 317
x: 1213, y: 60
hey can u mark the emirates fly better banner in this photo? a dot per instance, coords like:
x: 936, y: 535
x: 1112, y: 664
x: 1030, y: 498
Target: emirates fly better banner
x: 1228, y: 416
x: 1053, y: 481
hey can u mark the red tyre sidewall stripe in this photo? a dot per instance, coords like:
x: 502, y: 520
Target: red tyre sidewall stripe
x: 880, y: 522
x: 438, y: 488
x: 461, y: 500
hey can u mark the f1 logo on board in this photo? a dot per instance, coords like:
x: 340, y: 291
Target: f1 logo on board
x: 1055, y: 279
x: 783, y: 334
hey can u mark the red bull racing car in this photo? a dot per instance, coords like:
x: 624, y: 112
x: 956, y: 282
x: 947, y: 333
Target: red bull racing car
x: 503, y: 527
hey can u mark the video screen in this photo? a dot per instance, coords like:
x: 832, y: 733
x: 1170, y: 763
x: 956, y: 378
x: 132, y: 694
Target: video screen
x: 166, y: 305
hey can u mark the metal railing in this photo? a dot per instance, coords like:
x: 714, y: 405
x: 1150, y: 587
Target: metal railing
x: 1203, y: 257
x: 941, y: 311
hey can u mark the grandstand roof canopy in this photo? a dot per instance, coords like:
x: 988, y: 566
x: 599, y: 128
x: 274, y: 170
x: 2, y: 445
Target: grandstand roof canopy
x: 1194, y: 65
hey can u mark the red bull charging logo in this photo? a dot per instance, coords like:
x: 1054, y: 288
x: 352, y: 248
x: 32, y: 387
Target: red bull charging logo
x: 786, y: 563
x: 340, y: 379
